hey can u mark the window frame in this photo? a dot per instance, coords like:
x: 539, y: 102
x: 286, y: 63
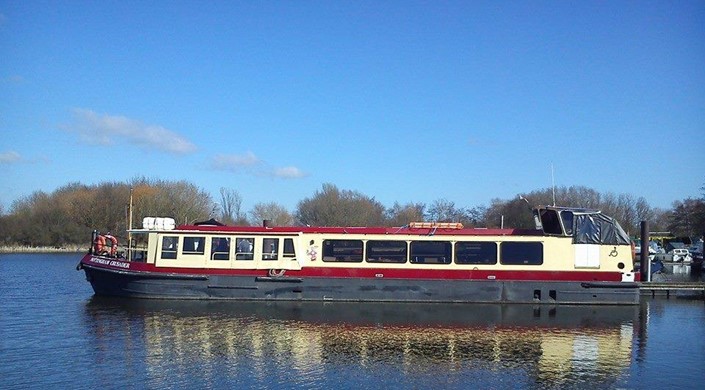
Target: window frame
x: 273, y: 254
x: 416, y: 256
x: 244, y: 256
x: 458, y: 252
x: 220, y: 255
x: 347, y: 254
x: 371, y: 245
x: 173, y: 252
x: 526, y: 253
x: 288, y: 249
x: 199, y: 250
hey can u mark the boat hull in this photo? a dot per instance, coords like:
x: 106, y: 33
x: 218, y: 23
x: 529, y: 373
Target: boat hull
x: 157, y: 285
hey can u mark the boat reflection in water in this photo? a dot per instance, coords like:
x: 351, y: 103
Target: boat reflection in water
x: 312, y: 342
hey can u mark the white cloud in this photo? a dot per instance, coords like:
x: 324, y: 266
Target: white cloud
x: 289, y: 173
x: 14, y: 79
x: 234, y: 162
x: 10, y: 157
x: 250, y: 163
x: 105, y: 129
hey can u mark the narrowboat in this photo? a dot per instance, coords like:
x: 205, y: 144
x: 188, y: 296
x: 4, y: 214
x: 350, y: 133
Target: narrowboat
x: 574, y: 256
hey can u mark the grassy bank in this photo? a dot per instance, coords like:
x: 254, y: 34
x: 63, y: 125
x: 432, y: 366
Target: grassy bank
x: 42, y: 249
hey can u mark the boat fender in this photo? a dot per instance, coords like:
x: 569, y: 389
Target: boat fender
x: 276, y: 272
x: 633, y: 251
x: 79, y: 266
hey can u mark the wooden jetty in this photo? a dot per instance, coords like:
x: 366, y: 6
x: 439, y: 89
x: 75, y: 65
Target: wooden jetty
x: 665, y: 288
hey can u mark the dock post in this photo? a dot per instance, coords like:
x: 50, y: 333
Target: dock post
x: 644, y: 255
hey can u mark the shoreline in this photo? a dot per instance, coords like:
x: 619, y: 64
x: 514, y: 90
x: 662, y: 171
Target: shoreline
x: 42, y: 249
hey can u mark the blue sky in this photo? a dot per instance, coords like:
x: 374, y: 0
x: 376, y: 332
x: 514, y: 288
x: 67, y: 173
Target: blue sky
x: 404, y: 101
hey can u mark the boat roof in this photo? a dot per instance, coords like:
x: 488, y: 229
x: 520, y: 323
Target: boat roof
x: 403, y: 230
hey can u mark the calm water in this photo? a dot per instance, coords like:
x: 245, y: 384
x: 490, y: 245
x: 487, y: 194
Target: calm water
x: 55, y: 334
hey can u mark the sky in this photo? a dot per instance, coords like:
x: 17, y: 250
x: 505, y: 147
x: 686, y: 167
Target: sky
x: 402, y: 101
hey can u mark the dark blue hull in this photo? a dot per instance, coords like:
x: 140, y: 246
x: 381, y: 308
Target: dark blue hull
x: 284, y: 288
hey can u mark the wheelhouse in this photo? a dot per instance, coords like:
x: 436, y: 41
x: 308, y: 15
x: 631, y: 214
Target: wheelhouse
x: 583, y: 225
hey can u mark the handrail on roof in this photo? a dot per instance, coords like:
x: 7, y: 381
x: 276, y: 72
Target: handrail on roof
x: 435, y: 225
x: 575, y: 210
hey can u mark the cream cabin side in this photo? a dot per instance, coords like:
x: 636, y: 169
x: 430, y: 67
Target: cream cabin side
x: 481, y: 252
x: 223, y: 250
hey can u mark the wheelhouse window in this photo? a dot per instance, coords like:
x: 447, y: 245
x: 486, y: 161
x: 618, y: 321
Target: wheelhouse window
x: 430, y: 252
x: 386, y: 251
x: 475, y: 253
x: 244, y: 248
x: 220, y: 248
x: 289, y: 247
x: 342, y: 250
x: 521, y: 253
x: 550, y: 222
x: 170, y: 246
x: 194, y: 245
x: 270, y: 249
x: 567, y: 218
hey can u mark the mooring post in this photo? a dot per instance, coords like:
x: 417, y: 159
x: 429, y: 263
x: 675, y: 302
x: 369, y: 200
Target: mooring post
x: 644, y: 256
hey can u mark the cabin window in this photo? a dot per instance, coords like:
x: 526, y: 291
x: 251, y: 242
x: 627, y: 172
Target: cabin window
x: 289, y: 247
x: 170, y: 245
x: 194, y: 245
x: 244, y: 248
x: 342, y: 250
x: 521, y: 253
x: 475, y: 253
x: 550, y: 222
x: 220, y: 248
x: 270, y: 249
x: 386, y: 251
x: 430, y: 252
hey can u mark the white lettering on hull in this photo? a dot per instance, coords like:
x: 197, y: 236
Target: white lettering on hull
x: 112, y: 263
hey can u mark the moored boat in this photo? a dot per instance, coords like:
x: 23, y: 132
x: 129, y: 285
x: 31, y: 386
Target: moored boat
x: 574, y: 256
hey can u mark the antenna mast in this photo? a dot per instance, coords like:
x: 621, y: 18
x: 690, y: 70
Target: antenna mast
x: 129, y: 229
x: 553, y: 186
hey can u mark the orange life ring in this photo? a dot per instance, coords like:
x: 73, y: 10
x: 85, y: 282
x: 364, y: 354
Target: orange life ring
x: 114, y: 244
x: 99, y: 244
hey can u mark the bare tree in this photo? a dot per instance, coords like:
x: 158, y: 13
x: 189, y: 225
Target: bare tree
x: 443, y: 210
x: 180, y: 200
x: 69, y: 214
x: 399, y: 215
x: 575, y: 196
x: 275, y: 213
x: 626, y: 212
x: 688, y: 217
x: 659, y: 220
x: 231, y: 207
x: 515, y: 213
x: 333, y: 207
x: 190, y: 204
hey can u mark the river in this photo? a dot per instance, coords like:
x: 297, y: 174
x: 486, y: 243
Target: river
x: 55, y: 334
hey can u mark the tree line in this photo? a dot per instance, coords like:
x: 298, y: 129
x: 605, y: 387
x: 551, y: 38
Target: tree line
x: 68, y: 215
